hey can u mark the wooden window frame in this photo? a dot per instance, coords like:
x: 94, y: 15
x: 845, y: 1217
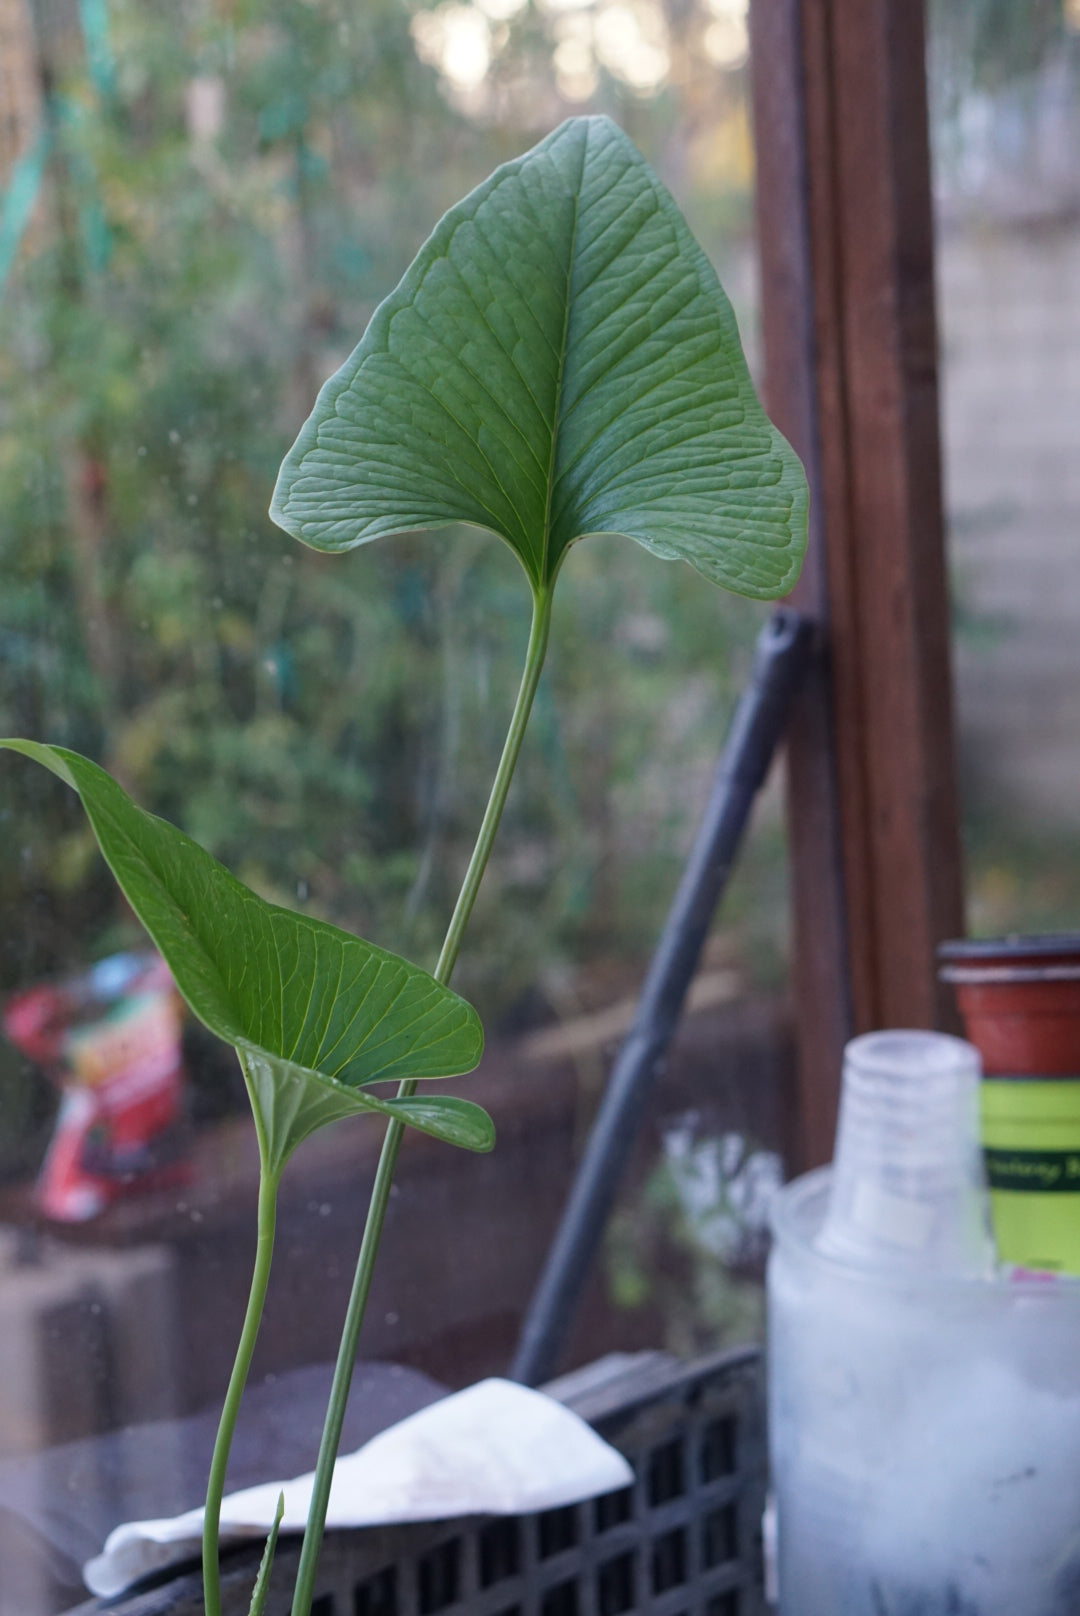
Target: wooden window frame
x: 850, y: 340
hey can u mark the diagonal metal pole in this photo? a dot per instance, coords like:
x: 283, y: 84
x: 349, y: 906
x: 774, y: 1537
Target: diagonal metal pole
x: 782, y: 651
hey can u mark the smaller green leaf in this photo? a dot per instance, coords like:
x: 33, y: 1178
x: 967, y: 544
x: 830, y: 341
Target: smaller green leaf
x: 314, y: 1013
x: 262, y: 1581
x: 293, y: 1107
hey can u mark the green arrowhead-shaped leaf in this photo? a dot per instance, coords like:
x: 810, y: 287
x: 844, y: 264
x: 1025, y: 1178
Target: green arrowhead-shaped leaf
x: 558, y: 361
x: 313, y: 1012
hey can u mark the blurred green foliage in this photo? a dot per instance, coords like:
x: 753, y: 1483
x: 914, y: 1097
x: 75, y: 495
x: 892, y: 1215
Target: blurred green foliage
x: 985, y: 47
x: 998, y: 41
x: 692, y: 1243
x: 231, y: 188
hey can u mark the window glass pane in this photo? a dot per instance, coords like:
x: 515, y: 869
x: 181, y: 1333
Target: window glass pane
x: 1006, y: 97
x: 203, y: 205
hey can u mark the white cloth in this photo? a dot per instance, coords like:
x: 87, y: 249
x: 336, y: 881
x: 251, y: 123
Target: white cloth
x: 496, y: 1448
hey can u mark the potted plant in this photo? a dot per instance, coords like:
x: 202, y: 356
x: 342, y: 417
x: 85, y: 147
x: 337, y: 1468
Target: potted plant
x: 559, y: 361
x: 1020, y: 1001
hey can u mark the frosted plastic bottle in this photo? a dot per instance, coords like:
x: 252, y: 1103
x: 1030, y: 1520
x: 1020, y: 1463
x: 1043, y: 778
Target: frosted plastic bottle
x: 907, y: 1185
x: 924, y: 1409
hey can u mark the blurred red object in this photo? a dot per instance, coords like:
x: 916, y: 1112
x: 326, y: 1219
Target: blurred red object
x: 110, y: 1039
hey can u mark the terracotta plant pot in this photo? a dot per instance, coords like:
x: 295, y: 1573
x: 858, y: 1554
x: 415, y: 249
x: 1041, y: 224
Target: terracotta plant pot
x: 1020, y: 1000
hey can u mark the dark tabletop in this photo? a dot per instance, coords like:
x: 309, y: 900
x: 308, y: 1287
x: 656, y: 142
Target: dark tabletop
x: 57, y: 1507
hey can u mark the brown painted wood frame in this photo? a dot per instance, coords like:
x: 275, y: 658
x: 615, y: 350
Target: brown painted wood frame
x: 846, y: 233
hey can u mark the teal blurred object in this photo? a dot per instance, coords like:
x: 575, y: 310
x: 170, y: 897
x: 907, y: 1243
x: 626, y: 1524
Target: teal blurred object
x: 17, y: 207
x: 100, y: 60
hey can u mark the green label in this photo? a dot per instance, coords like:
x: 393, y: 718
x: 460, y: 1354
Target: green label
x: 1034, y: 1171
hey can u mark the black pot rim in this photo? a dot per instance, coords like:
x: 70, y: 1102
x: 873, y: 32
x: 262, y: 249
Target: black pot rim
x: 1012, y: 950
x: 992, y: 975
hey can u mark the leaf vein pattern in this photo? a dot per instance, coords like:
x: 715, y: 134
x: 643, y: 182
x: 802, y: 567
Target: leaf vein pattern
x: 522, y: 378
x: 649, y: 386
x: 650, y: 218
x: 320, y: 1055
x: 448, y: 465
x: 441, y: 404
x: 366, y: 1044
x: 644, y: 473
x: 523, y: 297
x: 372, y: 1046
x: 302, y: 1021
x: 562, y: 363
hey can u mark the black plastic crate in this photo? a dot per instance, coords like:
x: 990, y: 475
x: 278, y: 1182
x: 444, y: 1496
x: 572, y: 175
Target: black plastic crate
x: 683, y: 1540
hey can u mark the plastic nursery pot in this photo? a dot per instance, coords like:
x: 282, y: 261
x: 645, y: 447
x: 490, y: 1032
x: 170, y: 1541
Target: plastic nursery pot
x: 1031, y: 1142
x: 1020, y: 1000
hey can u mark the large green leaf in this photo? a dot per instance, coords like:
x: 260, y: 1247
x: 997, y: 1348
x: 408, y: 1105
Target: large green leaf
x: 313, y: 1012
x: 559, y: 360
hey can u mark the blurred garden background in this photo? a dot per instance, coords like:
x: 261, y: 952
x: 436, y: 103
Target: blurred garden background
x: 204, y: 205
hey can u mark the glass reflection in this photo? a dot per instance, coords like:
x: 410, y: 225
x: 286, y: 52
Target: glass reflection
x: 200, y: 210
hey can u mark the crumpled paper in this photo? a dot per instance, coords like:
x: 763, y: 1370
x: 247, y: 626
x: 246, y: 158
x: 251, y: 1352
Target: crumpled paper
x: 496, y: 1448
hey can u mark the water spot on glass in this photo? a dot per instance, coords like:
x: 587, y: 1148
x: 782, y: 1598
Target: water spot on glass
x: 391, y: 1318
x: 174, y: 436
x: 302, y: 891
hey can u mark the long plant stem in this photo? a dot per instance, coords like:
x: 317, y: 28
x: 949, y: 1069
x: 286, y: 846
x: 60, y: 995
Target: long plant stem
x: 215, y: 1489
x: 380, y: 1195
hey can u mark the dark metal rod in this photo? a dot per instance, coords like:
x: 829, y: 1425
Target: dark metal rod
x: 782, y: 650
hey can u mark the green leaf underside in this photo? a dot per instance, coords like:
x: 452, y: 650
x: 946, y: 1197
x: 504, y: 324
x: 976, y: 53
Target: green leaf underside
x: 559, y: 360
x: 323, y: 1011
x: 293, y: 1103
x: 262, y: 1581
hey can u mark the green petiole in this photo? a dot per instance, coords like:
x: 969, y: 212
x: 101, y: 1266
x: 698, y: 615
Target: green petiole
x: 215, y: 1487
x: 380, y: 1196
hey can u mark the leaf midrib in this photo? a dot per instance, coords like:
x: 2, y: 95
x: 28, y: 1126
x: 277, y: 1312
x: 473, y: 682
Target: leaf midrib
x: 559, y: 379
